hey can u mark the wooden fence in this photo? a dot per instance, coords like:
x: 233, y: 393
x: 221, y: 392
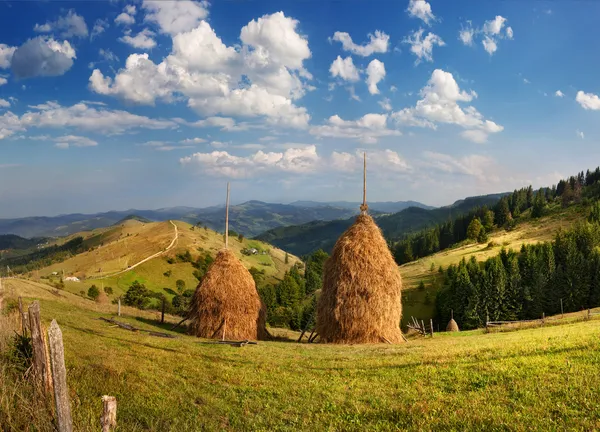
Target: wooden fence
x: 50, y: 373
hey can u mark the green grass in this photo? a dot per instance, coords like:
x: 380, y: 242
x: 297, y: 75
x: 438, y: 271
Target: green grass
x: 535, y: 379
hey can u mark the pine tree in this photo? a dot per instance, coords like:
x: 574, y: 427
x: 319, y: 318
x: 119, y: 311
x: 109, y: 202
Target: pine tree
x: 494, y: 287
x: 488, y: 220
x: 539, y: 205
x: 594, y: 216
x: 502, y: 213
x: 474, y: 228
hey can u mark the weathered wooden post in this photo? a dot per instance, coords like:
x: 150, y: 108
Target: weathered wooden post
x: 119, y: 308
x: 431, y: 326
x: 24, y: 319
x: 543, y: 318
x: 40, y: 360
x: 162, y: 312
x: 109, y: 413
x: 59, y: 374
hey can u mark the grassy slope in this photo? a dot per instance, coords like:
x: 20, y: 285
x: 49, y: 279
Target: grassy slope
x: 529, y: 231
x: 466, y: 381
x: 128, y: 243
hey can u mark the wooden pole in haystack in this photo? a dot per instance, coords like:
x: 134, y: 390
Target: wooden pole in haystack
x: 364, y: 207
x: 227, y: 219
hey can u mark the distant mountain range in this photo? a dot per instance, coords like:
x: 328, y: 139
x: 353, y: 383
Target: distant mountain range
x: 306, y: 238
x: 250, y: 218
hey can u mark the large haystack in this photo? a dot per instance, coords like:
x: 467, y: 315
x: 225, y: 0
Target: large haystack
x: 226, y: 302
x: 452, y: 326
x: 361, y: 297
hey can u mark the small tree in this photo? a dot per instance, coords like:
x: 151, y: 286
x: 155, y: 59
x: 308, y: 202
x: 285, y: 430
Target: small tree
x: 241, y: 237
x: 474, y: 228
x: 137, y: 295
x: 93, y: 292
x: 432, y: 268
x: 421, y: 286
x: 287, y: 258
x: 108, y: 290
x: 594, y: 216
x: 180, y: 285
x: 482, y: 237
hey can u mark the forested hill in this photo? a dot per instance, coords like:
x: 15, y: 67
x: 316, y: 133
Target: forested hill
x: 306, y: 238
x: 11, y: 241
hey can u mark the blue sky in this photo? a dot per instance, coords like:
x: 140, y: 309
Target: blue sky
x: 117, y: 105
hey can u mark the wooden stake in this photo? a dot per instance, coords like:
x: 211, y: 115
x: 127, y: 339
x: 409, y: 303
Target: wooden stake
x: 109, y: 413
x: 119, y: 308
x: 562, y: 313
x: 227, y: 219
x: 59, y: 374
x: 24, y: 319
x: 39, y: 349
x: 431, y: 326
x: 364, y: 207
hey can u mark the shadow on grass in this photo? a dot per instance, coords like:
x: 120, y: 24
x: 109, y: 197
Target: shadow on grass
x: 182, y: 329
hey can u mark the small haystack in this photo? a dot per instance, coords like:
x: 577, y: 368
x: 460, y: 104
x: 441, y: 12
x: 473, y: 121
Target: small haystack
x: 226, y: 304
x: 361, y: 297
x: 452, y: 325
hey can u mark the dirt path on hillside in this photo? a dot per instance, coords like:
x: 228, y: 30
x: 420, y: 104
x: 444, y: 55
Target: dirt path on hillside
x: 131, y: 267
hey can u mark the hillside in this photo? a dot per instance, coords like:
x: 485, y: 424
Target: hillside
x: 307, y: 238
x: 11, y: 241
x: 462, y: 381
x: 529, y: 231
x: 250, y: 218
x: 111, y: 251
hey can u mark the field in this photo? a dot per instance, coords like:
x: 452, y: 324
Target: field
x: 112, y: 250
x: 535, y: 379
x: 527, y: 232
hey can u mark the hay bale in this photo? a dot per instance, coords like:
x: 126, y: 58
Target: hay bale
x: 452, y: 326
x: 227, y: 300
x: 361, y: 297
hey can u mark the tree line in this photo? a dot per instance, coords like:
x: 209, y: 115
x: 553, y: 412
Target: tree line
x: 476, y: 224
x: 526, y: 284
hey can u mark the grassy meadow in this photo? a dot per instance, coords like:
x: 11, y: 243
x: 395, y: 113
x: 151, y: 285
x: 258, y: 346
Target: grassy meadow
x: 113, y: 249
x: 534, y: 379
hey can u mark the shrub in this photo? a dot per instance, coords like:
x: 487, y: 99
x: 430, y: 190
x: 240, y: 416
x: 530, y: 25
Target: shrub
x: 108, y: 290
x: 137, y: 296
x: 167, y: 273
x: 93, y: 292
x: 421, y: 286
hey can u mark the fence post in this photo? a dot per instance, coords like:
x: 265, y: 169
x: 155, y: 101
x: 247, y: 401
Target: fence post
x: 119, y: 308
x: 24, y: 320
x: 59, y: 374
x: 162, y: 312
x: 431, y: 326
x: 109, y: 413
x: 543, y: 318
x: 39, y: 349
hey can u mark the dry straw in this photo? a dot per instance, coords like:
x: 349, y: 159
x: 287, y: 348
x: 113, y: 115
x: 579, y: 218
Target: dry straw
x: 226, y: 304
x: 361, y: 297
x: 452, y: 325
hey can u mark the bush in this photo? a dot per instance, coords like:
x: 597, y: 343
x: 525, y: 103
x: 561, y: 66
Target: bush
x: 137, y: 296
x: 170, y: 260
x: 168, y: 273
x: 421, y: 286
x: 108, y: 290
x: 93, y: 292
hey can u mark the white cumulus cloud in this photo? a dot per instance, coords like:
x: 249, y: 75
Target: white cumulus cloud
x: 42, y: 57
x: 421, y: 46
x: 378, y: 43
x: 367, y: 129
x: 588, y: 101
x: 142, y: 40
x: 491, y: 32
x: 174, y: 17
x: 422, y: 10
x: 558, y: 93
x: 375, y: 73
x: 345, y: 69
x: 580, y: 134
x: 439, y: 103
x: 64, y: 142
x: 69, y: 25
